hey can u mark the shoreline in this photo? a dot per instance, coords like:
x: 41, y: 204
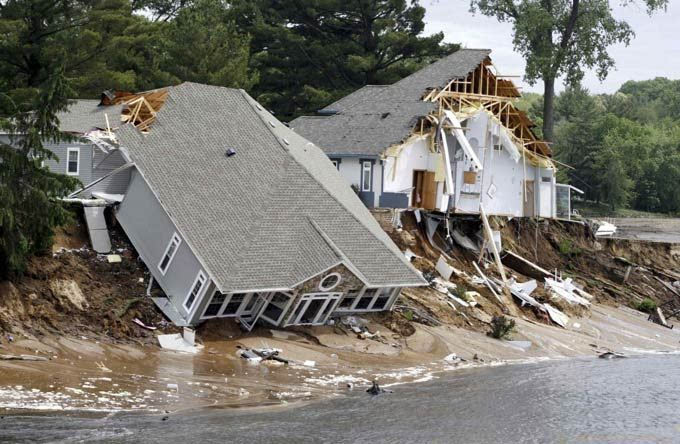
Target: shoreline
x: 154, y: 381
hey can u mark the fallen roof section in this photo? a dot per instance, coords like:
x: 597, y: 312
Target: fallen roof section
x: 262, y: 217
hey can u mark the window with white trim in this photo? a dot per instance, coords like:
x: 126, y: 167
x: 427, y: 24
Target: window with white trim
x: 366, y: 175
x: 196, y: 290
x: 73, y: 161
x: 215, y: 305
x: 169, y: 254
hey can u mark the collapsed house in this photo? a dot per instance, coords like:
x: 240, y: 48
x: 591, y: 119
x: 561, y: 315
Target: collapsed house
x: 447, y: 138
x: 234, y: 214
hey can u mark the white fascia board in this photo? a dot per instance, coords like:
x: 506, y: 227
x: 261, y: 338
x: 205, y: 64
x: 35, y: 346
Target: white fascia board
x: 447, y: 163
x: 458, y: 132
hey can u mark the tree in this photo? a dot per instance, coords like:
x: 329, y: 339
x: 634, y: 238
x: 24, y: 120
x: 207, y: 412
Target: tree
x: 311, y: 52
x: 203, y: 45
x: 29, y: 208
x: 562, y: 38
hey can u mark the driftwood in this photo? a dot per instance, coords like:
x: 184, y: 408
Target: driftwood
x: 22, y: 358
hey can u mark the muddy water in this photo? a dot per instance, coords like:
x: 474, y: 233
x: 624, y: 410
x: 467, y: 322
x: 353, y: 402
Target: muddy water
x: 584, y: 400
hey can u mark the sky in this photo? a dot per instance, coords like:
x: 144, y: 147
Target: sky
x: 655, y: 51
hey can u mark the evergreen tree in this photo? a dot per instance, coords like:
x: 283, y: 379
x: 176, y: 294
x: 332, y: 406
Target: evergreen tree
x: 29, y: 205
x: 311, y: 52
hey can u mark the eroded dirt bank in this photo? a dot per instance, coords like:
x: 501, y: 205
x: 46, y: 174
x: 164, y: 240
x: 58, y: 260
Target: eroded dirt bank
x: 76, y: 309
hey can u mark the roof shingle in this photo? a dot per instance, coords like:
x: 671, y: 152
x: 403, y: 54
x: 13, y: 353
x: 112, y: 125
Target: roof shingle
x: 368, y: 127
x: 258, y: 219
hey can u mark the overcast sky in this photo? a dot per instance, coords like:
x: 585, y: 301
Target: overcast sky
x: 655, y: 51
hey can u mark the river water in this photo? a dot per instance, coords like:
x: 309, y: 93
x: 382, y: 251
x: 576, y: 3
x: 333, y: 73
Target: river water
x: 634, y: 400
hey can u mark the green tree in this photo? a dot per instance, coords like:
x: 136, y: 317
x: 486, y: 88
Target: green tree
x: 562, y: 38
x: 310, y: 52
x: 203, y: 45
x: 29, y: 208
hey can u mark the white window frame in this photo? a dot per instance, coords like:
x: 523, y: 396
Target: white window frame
x: 284, y: 309
x: 331, y: 300
x: 219, y: 310
x: 337, y: 282
x: 393, y: 294
x: 364, y: 170
x: 199, y: 277
x: 175, y: 238
x: 68, y: 162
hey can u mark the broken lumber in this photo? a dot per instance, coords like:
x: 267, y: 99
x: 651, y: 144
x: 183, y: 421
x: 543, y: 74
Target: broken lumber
x: 508, y: 302
x: 22, y: 358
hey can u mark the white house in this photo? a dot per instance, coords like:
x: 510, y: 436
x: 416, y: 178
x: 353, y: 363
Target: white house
x: 446, y: 138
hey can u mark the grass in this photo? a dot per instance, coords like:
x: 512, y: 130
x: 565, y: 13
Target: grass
x: 588, y: 208
x: 567, y: 248
x: 646, y: 306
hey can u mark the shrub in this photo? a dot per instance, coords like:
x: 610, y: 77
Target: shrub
x: 567, y: 248
x: 501, y: 327
x: 647, y: 305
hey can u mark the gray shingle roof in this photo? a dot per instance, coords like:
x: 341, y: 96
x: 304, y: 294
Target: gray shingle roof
x: 264, y: 217
x: 387, y: 117
x: 84, y: 115
x: 360, y: 95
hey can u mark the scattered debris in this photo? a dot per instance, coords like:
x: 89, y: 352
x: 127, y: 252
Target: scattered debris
x: 143, y: 325
x: 612, y: 355
x: 443, y: 268
x: 22, y: 358
x: 658, y: 317
x: 557, y: 316
x: 113, y: 258
x: 176, y: 342
x: 376, y: 390
x: 566, y: 290
x: 603, y: 228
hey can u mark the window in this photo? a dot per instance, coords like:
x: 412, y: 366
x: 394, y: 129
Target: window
x: 372, y: 299
x: 234, y: 304
x: 195, y: 292
x: 348, y: 300
x: 329, y: 282
x: 215, y: 304
x: 366, y: 175
x: 546, y: 179
x: 277, y: 307
x: 73, y: 161
x: 313, y: 309
x: 169, y: 253
x: 366, y: 299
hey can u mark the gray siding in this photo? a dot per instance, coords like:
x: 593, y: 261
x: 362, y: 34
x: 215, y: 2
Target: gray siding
x: 60, y: 150
x: 104, y: 164
x: 150, y: 229
x: 59, y: 166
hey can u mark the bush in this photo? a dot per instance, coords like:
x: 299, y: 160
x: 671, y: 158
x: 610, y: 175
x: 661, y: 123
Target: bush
x: 647, y: 305
x: 567, y: 248
x: 501, y: 327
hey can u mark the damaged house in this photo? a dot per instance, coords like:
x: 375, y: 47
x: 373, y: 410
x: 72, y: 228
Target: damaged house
x: 447, y: 138
x: 234, y: 214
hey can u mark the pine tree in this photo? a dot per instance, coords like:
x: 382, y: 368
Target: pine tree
x: 29, y: 192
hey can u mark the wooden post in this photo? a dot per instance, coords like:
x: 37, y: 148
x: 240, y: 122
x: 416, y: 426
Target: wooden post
x: 506, y: 291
